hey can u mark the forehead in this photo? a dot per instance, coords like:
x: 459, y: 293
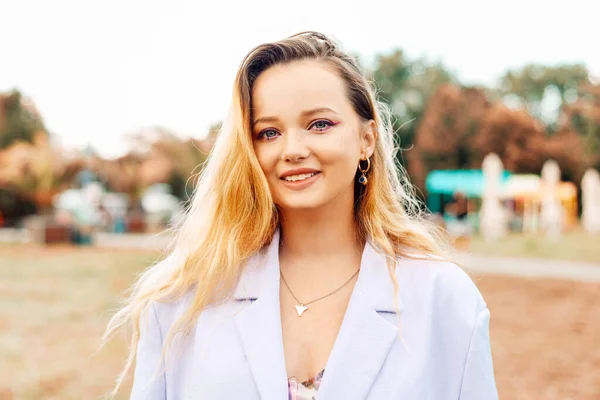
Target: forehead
x: 301, y: 85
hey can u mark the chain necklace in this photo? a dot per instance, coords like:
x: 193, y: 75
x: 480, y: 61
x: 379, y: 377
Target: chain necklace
x: 301, y: 307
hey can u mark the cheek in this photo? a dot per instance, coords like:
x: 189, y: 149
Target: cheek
x: 342, y: 156
x: 345, y: 166
x: 267, y: 158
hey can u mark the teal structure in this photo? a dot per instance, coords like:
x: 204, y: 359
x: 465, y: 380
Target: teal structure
x: 441, y: 185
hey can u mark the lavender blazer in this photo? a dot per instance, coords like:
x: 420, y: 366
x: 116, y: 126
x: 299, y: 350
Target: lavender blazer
x: 236, y: 348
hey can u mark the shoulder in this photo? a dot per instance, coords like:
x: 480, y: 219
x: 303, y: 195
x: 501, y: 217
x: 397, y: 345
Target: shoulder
x: 167, y: 312
x: 443, y: 287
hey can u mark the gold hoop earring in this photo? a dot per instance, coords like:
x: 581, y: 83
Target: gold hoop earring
x: 363, y: 178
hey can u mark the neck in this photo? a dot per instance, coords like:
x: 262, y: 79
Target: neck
x: 315, y: 237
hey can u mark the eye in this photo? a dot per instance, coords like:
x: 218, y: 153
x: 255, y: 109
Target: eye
x: 267, y: 134
x: 322, y: 125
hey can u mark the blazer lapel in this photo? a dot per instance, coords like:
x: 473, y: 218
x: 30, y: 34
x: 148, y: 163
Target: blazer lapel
x: 365, y: 336
x: 259, y: 324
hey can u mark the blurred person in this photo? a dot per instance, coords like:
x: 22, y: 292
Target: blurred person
x: 303, y: 267
x: 105, y: 219
x: 458, y: 224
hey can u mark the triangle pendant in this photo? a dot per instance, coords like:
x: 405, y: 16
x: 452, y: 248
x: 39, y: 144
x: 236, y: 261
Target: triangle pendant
x: 300, y: 309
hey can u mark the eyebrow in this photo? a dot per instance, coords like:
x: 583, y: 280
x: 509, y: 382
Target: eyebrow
x: 304, y: 114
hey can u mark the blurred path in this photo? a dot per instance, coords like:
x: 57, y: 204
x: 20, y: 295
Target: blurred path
x: 475, y: 263
x: 137, y: 241
x: 531, y: 267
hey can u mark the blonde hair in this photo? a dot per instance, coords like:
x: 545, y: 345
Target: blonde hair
x: 232, y: 215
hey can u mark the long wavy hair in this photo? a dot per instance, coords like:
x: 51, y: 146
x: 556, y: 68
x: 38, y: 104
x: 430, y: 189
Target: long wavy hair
x: 232, y: 215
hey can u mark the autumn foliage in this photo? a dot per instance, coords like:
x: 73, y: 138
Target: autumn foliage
x: 461, y: 125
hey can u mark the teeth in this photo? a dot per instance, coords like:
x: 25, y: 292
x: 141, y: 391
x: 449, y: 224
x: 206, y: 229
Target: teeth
x: 294, y: 178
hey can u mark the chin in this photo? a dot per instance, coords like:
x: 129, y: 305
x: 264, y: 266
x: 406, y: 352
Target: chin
x: 314, y: 199
x: 304, y: 201
x: 300, y: 205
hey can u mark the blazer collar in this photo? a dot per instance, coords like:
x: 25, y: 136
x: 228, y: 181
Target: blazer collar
x: 259, y: 271
x: 259, y: 324
x: 362, y: 344
x: 374, y: 280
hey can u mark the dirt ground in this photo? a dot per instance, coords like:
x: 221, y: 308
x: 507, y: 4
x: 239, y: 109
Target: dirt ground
x: 54, y: 305
x: 545, y: 337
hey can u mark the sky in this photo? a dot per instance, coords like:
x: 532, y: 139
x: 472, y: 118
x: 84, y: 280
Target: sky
x: 100, y: 70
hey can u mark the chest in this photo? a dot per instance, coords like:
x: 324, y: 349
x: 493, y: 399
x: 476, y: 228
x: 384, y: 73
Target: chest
x: 206, y: 371
x: 248, y: 349
x: 308, y: 339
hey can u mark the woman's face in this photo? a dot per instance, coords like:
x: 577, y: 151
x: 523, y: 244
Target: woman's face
x: 307, y: 137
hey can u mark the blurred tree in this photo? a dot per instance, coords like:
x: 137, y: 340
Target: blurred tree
x: 35, y: 170
x: 158, y: 156
x: 579, y: 131
x: 461, y: 126
x: 543, y: 90
x: 19, y: 119
x: 406, y: 86
x: 584, y: 116
x: 568, y: 149
x: 445, y: 137
x: 513, y: 135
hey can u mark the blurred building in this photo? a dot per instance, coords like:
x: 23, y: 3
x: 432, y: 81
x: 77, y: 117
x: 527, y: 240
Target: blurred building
x: 521, y: 194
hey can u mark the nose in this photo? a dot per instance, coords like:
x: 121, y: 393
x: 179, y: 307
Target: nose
x: 294, y: 147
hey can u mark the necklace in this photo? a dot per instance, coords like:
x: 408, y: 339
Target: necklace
x: 301, y: 307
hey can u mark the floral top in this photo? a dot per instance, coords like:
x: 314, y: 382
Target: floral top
x: 306, y: 390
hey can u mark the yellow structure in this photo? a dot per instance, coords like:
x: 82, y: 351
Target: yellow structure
x: 528, y: 192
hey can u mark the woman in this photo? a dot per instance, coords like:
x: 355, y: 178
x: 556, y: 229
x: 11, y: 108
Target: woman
x: 302, y: 269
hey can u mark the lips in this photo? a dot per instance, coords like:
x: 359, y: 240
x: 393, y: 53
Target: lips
x: 299, y: 172
x: 300, y: 179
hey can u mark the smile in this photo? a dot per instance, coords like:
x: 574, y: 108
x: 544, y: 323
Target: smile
x: 300, y: 177
x: 300, y: 181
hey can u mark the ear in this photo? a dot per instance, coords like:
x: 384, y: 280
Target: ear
x: 369, y: 137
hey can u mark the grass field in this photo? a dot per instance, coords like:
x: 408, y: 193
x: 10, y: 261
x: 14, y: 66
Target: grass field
x: 54, y: 305
x: 55, y: 302
x: 573, y: 246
